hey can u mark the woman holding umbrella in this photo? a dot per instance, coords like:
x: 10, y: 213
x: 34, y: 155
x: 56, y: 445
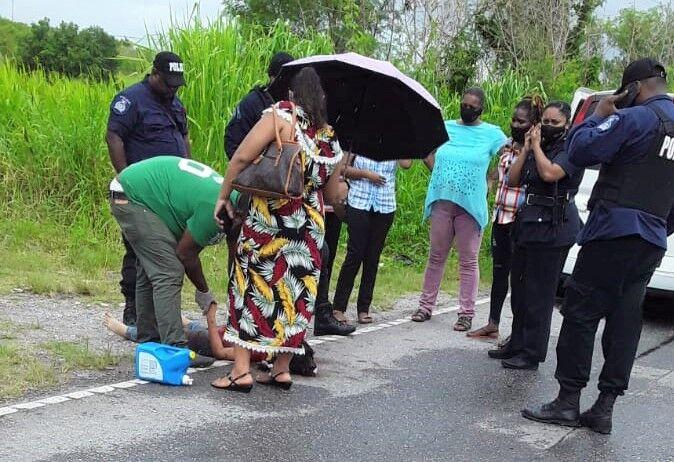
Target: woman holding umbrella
x: 456, y: 203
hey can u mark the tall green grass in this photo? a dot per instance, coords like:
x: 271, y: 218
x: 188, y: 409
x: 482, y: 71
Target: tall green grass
x: 54, y: 165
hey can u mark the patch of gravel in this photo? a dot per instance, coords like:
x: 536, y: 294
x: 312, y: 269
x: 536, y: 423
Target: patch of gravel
x: 36, y: 319
x: 41, y: 319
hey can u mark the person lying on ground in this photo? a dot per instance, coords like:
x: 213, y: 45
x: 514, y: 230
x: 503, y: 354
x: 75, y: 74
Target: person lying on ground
x: 205, y: 341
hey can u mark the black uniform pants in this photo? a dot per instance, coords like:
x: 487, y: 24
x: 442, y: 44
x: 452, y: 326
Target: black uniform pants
x: 534, y: 279
x: 609, y: 281
x: 128, y: 282
x: 501, y: 254
x: 333, y: 227
x: 367, y: 234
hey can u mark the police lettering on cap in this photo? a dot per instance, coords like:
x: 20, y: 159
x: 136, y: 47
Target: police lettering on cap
x: 171, y: 67
x: 641, y: 69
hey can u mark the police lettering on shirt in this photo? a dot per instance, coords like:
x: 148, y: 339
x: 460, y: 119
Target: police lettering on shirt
x: 667, y: 149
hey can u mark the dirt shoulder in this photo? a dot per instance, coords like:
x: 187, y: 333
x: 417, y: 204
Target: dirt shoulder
x: 60, y: 342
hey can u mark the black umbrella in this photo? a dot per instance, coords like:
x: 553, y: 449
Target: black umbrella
x: 376, y: 110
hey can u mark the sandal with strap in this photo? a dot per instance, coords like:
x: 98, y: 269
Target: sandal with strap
x: 488, y: 331
x: 233, y: 386
x: 275, y: 383
x: 421, y: 315
x: 463, y: 324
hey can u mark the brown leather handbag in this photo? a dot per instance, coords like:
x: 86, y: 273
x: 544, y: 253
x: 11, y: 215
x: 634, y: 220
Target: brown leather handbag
x: 278, y: 172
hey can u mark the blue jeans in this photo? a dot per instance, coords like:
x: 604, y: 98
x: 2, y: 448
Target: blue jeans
x: 193, y: 326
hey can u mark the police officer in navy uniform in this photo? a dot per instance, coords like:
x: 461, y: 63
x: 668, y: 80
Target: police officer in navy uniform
x: 623, y: 241
x: 249, y: 110
x: 147, y: 120
x: 545, y: 228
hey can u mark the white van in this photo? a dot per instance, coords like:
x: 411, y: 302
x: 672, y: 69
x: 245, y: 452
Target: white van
x: 662, y: 283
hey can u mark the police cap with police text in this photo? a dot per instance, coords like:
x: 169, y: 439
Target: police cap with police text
x: 641, y: 69
x: 170, y: 66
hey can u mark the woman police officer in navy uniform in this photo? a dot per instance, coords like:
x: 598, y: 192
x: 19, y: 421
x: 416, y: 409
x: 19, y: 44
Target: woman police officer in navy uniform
x: 545, y: 229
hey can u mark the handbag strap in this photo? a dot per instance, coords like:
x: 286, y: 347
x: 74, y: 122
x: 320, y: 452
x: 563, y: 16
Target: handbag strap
x: 293, y: 126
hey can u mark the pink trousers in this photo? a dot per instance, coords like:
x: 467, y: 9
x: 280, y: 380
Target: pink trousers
x: 450, y: 224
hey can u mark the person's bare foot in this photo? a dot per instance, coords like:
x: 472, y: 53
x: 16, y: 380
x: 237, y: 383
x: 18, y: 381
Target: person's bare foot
x: 113, y: 325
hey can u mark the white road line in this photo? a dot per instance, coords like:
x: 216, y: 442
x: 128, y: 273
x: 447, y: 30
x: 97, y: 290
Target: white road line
x: 7, y: 410
x: 79, y: 394
x: 104, y: 389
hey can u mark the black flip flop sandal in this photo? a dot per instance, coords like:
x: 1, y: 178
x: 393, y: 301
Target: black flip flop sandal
x: 233, y: 386
x: 272, y: 382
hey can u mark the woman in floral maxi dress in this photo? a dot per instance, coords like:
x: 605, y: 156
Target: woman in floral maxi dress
x: 273, y: 282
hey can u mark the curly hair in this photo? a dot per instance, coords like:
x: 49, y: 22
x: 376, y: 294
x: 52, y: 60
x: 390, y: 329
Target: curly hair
x: 534, y: 105
x: 307, y: 92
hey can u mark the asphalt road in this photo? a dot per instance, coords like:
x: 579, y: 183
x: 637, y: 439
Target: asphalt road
x: 405, y: 392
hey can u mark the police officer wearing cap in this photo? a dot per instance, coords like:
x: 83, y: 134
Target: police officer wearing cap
x: 249, y: 110
x: 630, y: 134
x: 147, y: 120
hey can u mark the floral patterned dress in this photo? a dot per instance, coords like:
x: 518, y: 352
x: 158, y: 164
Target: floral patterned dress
x: 273, y: 282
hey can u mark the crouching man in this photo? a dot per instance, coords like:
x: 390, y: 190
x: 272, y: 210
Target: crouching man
x: 164, y: 206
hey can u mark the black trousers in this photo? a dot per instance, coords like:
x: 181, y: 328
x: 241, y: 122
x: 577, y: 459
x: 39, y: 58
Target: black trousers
x: 367, y: 235
x: 128, y: 282
x: 333, y: 227
x: 609, y: 281
x: 501, y: 254
x: 535, y: 275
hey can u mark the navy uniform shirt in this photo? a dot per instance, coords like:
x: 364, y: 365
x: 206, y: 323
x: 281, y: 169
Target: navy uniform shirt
x: 247, y: 113
x: 535, y: 224
x: 148, y: 126
x: 622, y: 138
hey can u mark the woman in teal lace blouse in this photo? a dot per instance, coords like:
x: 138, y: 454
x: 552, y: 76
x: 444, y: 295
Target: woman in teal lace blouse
x: 456, y: 203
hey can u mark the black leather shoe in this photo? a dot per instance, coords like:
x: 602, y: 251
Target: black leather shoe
x: 559, y: 412
x: 599, y: 418
x: 520, y: 363
x: 331, y: 326
x: 503, y: 352
x: 326, y: 324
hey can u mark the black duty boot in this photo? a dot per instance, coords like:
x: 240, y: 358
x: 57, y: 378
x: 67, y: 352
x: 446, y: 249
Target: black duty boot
x: 564, y: 410
x: 599, y: 417
x: 326, y: 324
x: 129, y: 316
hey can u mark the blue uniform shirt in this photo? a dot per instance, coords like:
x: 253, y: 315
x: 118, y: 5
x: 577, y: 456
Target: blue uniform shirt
x: 148, y: 126
x: 622, y: 138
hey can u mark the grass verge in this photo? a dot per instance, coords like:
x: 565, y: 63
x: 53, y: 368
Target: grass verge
x: 73, y: 356
x: 21, y: 371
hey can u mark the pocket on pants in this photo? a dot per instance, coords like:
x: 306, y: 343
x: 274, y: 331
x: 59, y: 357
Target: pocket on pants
x: 582, y: 301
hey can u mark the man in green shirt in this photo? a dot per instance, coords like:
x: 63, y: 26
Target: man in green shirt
x: 164, y: 206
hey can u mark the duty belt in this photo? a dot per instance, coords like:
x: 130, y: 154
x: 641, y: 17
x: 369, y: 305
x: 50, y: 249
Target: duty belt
x: 548, y: 201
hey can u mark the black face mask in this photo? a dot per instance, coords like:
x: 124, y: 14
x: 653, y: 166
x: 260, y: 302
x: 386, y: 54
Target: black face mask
x: 518, y: 133
x: 550, y: 133
x: 469, y: 114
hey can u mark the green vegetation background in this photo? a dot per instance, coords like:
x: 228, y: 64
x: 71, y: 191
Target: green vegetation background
x: 56, y: 231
